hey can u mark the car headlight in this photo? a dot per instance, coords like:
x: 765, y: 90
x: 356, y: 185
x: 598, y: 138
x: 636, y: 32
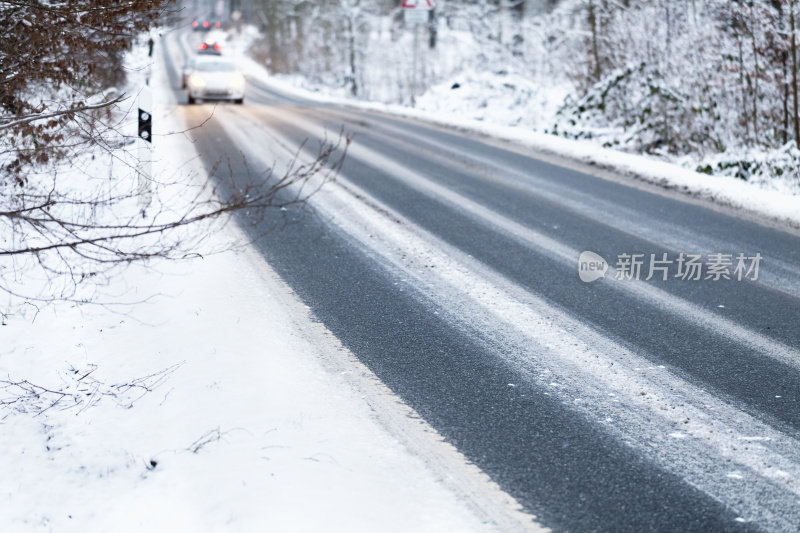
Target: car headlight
x: 236, y: 82
x: 196, y: 82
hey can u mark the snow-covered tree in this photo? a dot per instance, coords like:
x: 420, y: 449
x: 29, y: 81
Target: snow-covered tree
x: 62, y: 226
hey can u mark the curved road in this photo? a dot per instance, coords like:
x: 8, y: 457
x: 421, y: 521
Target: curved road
x: 448, y: 263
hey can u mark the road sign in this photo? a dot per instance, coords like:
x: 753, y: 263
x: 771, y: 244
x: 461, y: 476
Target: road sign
x: 417, y: 4
x: 415, y: 16
x: 416, y: 11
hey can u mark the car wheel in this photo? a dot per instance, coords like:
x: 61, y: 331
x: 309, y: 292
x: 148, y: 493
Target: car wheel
x: 239, y: 101
x: 192, y: 99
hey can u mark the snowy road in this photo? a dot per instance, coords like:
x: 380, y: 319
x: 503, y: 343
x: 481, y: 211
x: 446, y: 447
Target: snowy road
x: 448, y: 264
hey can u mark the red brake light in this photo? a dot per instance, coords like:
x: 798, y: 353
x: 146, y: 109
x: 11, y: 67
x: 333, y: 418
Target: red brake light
x: 216, y: 47
x: 194, y: 24
x: 203, y: 46
x: 206, y: 24
x: 218, y: 24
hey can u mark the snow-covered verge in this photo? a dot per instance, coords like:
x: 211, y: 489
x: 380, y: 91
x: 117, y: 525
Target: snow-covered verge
x: 249, y: 425
x: 216, y: 404
x: 777, y: 205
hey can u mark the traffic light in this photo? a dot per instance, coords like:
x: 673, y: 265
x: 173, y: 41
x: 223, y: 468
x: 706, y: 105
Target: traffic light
x: 145, y: 125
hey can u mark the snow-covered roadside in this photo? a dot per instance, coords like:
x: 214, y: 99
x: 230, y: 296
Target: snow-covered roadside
x: 253, y: 427
x: 256, y: 419
x: 761, y: 203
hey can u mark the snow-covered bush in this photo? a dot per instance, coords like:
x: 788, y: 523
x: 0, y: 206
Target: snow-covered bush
x: 758, y: 165
x: 679, y: 79
x: 637, y: 108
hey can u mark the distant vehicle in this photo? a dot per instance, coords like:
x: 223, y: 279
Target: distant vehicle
x: 201, y: 25
x: 209, y: 46
x: 215, y: 78
x: 188, y: 68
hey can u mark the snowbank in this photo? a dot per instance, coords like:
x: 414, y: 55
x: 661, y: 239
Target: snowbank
x: 248, y: 427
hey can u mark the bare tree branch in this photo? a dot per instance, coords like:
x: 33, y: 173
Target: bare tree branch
x: 45, y: 116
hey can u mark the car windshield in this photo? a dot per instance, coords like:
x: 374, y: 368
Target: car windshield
x: 215, y: 66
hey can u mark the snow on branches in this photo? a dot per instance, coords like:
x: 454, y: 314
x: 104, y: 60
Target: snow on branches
x: 70, y: 214
x: 54, y: 57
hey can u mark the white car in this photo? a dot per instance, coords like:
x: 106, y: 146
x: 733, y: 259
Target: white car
x: 215, y: 78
